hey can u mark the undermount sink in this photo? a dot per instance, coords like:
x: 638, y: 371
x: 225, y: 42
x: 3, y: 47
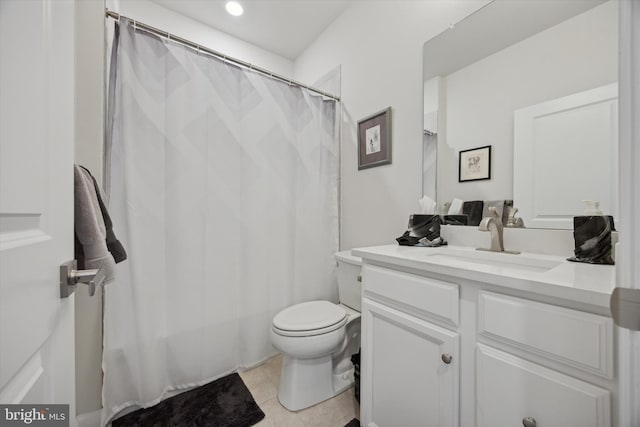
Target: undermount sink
x: 523, y: 262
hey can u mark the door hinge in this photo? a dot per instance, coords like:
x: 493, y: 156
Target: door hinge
x: 625, y: 308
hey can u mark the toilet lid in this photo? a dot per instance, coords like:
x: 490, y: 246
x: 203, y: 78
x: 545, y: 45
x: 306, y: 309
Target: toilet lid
x: 309, y: 316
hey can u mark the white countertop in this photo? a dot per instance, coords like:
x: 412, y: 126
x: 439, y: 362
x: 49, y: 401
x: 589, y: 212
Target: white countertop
x: 547, y: 275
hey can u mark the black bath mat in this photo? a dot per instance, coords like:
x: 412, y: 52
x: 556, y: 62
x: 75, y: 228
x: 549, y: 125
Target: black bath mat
x: 353, y: 423
x: 225, y: 402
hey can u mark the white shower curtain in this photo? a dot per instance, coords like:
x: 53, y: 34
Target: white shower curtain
x: 224, y: 191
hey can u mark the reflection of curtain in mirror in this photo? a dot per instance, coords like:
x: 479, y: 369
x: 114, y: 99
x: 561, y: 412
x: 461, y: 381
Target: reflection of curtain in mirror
x: 429, y: 157
x: 224, y: 192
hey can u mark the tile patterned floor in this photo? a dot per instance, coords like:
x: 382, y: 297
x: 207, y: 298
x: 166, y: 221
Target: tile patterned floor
x: 263, y: 381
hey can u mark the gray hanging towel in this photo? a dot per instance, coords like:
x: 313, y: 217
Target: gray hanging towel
x: 113, y: 244
x: 90, y: 230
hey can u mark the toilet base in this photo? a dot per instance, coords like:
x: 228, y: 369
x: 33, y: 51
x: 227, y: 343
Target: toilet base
x: 307, y: 382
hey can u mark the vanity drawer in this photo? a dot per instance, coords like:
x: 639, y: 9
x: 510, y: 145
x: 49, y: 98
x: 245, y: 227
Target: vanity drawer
x: 510, y: 390
x: 433, y: 298
x: 574, y: 338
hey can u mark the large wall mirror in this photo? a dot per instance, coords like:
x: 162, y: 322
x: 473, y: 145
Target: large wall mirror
x: 536, y: 81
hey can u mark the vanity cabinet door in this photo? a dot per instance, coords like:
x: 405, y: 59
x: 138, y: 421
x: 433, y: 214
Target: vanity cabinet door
x: 409, y: 370
x: 515, y: 392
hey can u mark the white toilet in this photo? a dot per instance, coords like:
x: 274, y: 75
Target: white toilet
x: 317, y: 339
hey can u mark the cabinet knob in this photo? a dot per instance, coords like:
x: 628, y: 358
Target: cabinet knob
x: 447, y: 358
x: 529, y: 422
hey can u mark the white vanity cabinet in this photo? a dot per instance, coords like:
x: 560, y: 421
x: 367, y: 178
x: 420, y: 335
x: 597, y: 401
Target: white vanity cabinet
x: 575, y: 343
x: 512, y: 391
x: 459, y: 345
x: 410, y: 366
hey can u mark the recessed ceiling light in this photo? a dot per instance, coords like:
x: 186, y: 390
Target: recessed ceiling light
x: 234, y: 8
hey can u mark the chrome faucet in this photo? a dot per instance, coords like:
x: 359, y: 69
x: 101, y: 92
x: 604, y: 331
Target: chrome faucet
x: 493, y: 224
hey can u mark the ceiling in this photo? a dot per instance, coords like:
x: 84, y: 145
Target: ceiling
x: 283, y: 27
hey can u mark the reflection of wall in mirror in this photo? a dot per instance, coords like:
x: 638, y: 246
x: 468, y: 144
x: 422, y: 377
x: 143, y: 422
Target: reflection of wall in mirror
x: 578, y: 54
x: 429, y: 160
x: 430, y: 136
x: 431, y: 104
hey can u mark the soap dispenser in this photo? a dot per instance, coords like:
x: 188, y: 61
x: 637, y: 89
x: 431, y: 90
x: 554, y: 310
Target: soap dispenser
x: 592, y: 235
x: 592, y: 207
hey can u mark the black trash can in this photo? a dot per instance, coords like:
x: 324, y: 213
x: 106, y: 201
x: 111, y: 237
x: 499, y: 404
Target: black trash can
x: 355, y: 359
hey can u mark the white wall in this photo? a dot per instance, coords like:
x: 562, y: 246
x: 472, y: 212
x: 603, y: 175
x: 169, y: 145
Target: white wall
x: 578, y: 54
x: 379, y: 47
x: 162, y: 18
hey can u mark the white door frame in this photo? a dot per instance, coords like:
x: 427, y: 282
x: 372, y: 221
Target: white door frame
x: 628, y: 268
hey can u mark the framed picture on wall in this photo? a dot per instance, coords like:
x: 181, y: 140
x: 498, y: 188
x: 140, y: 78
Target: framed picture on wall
x: 374, y: 140
x: 474, y: 164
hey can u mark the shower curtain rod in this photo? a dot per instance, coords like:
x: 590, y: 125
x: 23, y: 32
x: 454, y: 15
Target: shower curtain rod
x: 221, y: 56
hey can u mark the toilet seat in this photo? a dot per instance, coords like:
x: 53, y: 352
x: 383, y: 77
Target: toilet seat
x: 309, y: 319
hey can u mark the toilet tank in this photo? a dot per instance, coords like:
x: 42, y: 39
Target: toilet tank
x: 349, y: 284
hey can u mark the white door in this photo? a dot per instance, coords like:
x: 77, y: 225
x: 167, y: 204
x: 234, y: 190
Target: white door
x: 36, y: 201
x: 627, y: 264
x: 412, y: 370
x: 564, y: 126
